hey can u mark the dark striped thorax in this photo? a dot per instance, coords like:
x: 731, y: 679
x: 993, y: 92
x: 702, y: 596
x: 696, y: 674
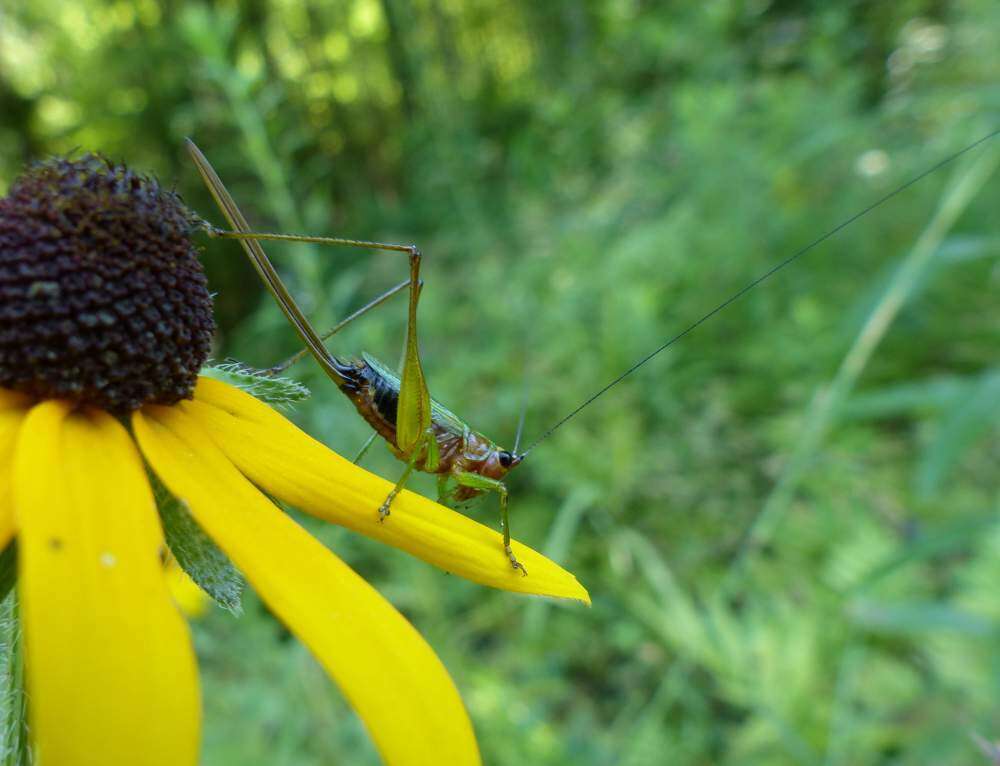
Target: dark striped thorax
x: 374, y: 390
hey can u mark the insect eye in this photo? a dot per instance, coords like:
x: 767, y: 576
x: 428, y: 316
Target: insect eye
x: 505, y: 459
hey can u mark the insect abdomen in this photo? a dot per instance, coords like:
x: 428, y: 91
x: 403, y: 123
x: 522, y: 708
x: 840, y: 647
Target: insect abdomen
x: 376, y: 397
x: 385, y: 397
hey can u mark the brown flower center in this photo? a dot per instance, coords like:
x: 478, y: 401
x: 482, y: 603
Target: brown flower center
x: 102, y: 297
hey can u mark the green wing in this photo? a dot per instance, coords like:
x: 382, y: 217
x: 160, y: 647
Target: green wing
x: 440, y: 414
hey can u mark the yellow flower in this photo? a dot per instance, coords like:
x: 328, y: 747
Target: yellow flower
x: 97, y: 271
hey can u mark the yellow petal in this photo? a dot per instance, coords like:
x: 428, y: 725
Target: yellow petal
x: 386, y: 670
x: 293, y: 466
x: 13, y: 408
x: 111, y: 674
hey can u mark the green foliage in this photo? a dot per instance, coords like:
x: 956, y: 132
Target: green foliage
x: 788, y: 521
x: 197, y: 554
x: 277, y: 391
x: 8, y: 569
x: 14, y: 749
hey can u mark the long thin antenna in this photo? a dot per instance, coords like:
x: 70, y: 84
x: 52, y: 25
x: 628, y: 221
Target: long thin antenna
x: 524, y: 396
x: 771, y: 272
x: 520, y: 426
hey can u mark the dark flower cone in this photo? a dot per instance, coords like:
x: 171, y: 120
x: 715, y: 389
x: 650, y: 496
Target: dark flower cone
x: 102, y: 297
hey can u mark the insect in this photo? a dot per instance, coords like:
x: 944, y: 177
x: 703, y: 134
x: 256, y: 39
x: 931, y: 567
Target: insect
x: 421, y: 432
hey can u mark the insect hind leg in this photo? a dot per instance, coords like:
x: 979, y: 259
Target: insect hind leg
x: 374, y: 303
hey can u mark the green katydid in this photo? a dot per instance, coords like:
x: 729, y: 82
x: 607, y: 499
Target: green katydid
x: 421, y: 432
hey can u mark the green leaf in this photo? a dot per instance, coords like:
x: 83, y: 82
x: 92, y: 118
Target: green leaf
x: 961, y: 248
x: 923, y: 396
x: 969, y: 419
x: 8, y: 569
x: 277, y: 391
x: 197, y: 555
x: 14, y: 747
x: 934, y: 541
x: 916, y: 617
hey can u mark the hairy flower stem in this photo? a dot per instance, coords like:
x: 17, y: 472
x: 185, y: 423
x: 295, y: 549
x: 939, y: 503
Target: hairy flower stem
x: 14, y: 749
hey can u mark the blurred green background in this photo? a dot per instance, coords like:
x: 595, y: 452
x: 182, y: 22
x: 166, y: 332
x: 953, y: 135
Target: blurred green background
x: 788, y: 521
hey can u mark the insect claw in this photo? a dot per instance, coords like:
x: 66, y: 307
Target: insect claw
x: 384, y: 510
x: 514, y: 562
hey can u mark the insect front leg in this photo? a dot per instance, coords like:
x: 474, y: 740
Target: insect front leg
x: 384, y: 509
x: 427, y: 448
x: 365, y: 447
x: 476, y: 481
